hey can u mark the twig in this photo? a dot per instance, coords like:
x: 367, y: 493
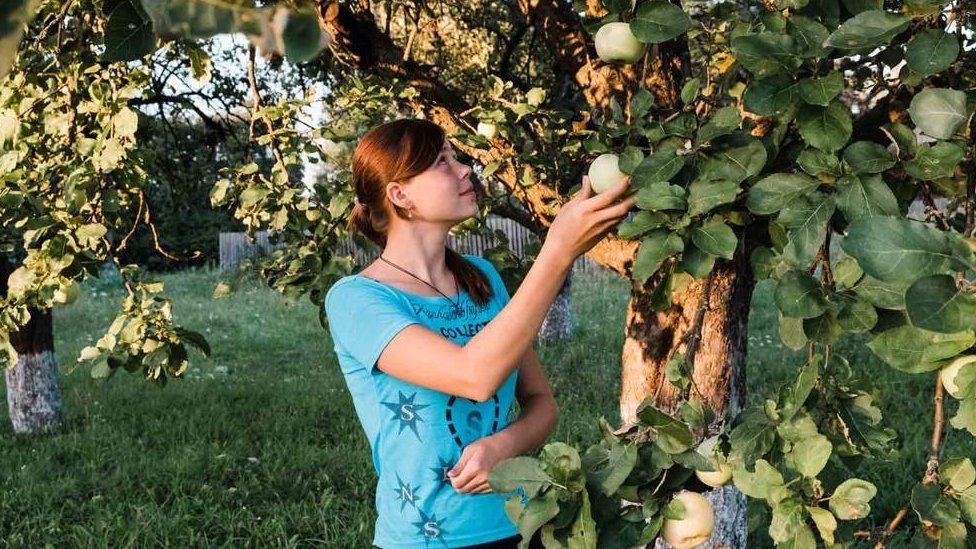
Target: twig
x: 135, y: 224
x: 258, y: 104
x: 932, y: 468
x: 891, y: 528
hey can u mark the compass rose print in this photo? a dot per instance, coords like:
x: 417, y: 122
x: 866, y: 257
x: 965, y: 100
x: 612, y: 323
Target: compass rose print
x: 405, y: 411
x: 405, y: 493
x: 430, y: 527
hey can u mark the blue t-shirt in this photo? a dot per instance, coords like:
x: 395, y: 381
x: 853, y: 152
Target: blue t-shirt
x: 417, y: 434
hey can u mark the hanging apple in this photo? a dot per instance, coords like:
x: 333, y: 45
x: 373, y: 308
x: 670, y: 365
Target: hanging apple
x: 719, y: 477
x: 950, y: 372
x: 615, y: 43
x: 604, y: 172
x: 487, y: 129
x: 696, y: 526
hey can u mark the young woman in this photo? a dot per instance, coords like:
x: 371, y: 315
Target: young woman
x: 433, y: 349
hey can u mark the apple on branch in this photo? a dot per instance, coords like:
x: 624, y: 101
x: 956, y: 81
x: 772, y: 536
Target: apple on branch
x: 487, y: 129
x: 615, y: 43
x: 696, y: 525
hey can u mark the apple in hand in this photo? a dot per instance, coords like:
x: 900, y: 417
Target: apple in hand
x: 604, y: 172
x: 950, y: 372
x: 616, y: 43
x: 696, y: 526
x: 487, y: 129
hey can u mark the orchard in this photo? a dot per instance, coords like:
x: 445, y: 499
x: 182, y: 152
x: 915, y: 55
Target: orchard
x: 826, y: 146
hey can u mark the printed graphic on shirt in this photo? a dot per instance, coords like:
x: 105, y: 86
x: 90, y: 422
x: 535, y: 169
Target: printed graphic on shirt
x: 448, y: 311
x: 466, y: 418
x: 406, y: 494
x: 406, y: 412
x: 440, y: 472
x: 430, y: 528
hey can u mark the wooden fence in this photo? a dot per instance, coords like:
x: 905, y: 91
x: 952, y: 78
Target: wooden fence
x: 235, y: 246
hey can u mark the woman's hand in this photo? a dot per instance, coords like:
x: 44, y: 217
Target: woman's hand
x: 470, y: 474
x: 586, y: 219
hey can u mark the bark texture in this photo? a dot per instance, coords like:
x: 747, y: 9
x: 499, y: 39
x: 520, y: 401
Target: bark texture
x: 33, y: 393
x: 558, y: 323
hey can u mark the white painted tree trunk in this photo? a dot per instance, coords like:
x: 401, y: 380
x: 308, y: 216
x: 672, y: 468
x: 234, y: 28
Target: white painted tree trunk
x: 558, y: 323
x: 33, y: 394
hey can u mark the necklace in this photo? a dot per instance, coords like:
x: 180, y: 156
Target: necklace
x: 456, y: 306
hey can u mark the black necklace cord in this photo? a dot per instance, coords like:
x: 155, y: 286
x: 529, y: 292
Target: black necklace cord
x: 457, y: 306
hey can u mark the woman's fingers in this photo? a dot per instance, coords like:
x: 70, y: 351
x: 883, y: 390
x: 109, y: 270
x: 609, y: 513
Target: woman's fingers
x: 618, y: 210
x: 475, y: 485
x: 608, y: 196
x: 463, y: 478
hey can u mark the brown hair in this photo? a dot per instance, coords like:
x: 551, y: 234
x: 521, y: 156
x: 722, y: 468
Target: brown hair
x: 397, y: 151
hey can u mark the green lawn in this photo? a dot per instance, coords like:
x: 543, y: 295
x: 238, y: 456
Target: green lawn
x: 260, y: 446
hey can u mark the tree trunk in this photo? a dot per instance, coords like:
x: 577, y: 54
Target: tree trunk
x: 33, y: 394
x: 558, y: 323
x: 719, y: 373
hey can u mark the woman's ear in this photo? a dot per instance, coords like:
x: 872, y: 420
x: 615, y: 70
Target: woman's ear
x: 397, y: 195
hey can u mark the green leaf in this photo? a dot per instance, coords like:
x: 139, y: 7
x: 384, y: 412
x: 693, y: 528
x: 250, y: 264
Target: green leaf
x: 965, y: 417
x: 582, y: 533
x: 765, y: 482
x: 805, y: 220
x: 868, y: 157
x: 690, y: 90
x: 931, y: 505
x: 822, y: 329
x: 765, y: 54
x: 696, y: 262
x: 751, y: 438
x: 790, y: 330
x: 897, y: 249
x: 608, y: 468
x: 825, y: 522
x: 660, y: 166
x: 735, y: 163
x: 722, y: 122
x: 808, y: 36
x: 775, y: 192
x: 821, y: 91
x: 936, y: 304
x: 535, y: 513
x: 816, y: 162
x: 914, y: 350
x: 967, y: 503
x: 522, y: 472
x: 630, y: 159
x: 799, y: 295
x: 867, y: 30
x: 935, y: 161
x: 654, y: 249
x: 809, y: 456
x: 640, y: 103
x: 931, y: 51
x: 788, y: 526
x: 302, y: 37
x: 938, y: 112
x: 851, y: 499
x: 771, y: 96
x: 716, y: 238
x: 705, y: 195
x: 858, y: 315
x: 847, y: 272
x: 673, y: 435
x: 885, y: 295
x: 659, y: 21
x: 641, y: 223
x: 661, y: 196
x: 958, y: 473
x: 128, y: 35
x: 865, y: 196
x: 826, y: 128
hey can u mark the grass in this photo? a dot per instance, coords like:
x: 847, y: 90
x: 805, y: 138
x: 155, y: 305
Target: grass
x: 260, y: 446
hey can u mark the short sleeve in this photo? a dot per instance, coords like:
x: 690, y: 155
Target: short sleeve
x: 363, y: 319
x: 497, y: 284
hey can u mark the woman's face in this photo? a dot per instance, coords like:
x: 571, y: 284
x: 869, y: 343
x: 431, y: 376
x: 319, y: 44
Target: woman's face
x: 443, y: 192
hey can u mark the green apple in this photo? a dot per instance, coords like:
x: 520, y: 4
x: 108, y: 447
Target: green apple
x: 616, y: 43
x: 604, y: 172
x: 950, y: 372
x: 487, y: 129
x: 696, y: 526
x: 719, y: 477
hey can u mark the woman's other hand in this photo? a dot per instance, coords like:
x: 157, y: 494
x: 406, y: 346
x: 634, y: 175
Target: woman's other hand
x: 470, y: 474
